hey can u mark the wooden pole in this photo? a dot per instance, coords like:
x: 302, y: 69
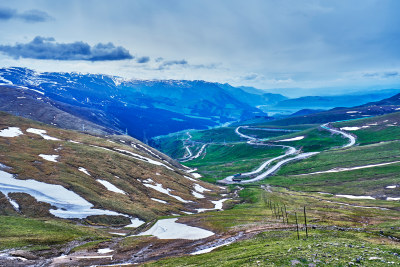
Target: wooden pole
x: 297, y: 227
x: 305, y: 221
x: 287, y: 220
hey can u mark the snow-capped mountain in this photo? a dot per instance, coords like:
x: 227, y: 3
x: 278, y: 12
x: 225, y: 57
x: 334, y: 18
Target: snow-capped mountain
x: 143, y: 108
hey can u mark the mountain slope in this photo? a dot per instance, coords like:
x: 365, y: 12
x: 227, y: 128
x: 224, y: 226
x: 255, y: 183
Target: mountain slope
x: 34, y: 105
x: 385, y: 106
x: 143, y: 108
x: 104, y: 176
x: 328, y: 102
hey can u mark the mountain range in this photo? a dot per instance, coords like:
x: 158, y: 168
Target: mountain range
x: 144, y: 109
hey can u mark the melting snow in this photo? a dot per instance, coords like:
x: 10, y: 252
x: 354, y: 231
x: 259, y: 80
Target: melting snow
x: 353, y: 111
x: 83, y: 170
x: 68, y: 203
x: 197, y: 195
x: 52, y: 158
x: 104, y: 250
x: 350, y: 128
x: 191, y: 179
x: 200, y: 189
x: 355, y: 197
x: 218, y: 204
x: 391, y: 186
x: 115, y: 233
x: 135, y: 223
x: 352, y: 168
x: 206, y: 250
x: 292, y: 139
x: 170, y: 229
x: 42, y: 133
x: 159, y: 200
x: 196, y: 175
x: 110, y: 186
x: 10, y: 132
x: 13, y: 203
x: 161, y: 189
x: 393, y: 198
x: 140, y: 157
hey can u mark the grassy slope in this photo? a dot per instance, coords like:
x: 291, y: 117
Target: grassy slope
x: 374, y: 147
x: 223, y: 160
x: 277, y: 245
x: 41, y: 233
x: 381, y: 128
x: 21, y: 153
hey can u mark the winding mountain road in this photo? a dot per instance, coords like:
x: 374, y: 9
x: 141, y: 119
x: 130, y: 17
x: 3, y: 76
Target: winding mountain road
x: 352, y: 139
x: 282, y: 158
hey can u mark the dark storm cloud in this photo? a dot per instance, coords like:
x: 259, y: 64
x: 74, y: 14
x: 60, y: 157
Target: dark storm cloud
x: 32, y: 15
x: 47, y: 48
x: 142, y: 59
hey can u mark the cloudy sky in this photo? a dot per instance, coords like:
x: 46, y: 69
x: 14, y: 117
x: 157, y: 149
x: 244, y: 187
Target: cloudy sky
x: 319, y: 46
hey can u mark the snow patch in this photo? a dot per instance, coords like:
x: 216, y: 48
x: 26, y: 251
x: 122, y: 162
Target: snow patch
x: 140, y: 157
x: 159, y: 200
x: 68, y: 203
x: 42, y: 133
x: 104, y: 250
x: 110, y: 186
x: 218, y: 204
x: 84, y: 171
x: 393, y: 198
x: 391, y: 186
x: 297, y: 138
x: 200, y: 189
x: 351, y: 168
x: 206, y: 250
x: 52, y: 158
x: 356, y: 197
x: 170, y: 229
x: 197, y: 195
x: 135, y: 223
x: 196, y: 175
x: 191, y: 179
x: 161, y: 189
x: 11, y: 132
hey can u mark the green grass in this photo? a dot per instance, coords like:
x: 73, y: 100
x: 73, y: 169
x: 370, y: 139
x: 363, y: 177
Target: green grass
x: 375, y: 133
x: 276, y: 243
x: 315, y: 139
x: 351, y: 157
x: 20, y: 232
x: 223, y: 160
x: 280, y: 248
x: 223, y: 134
x: 262, y: 133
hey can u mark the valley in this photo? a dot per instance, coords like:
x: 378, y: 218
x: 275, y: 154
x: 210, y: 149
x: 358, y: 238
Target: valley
x: 319, y: 189
x: 226, y: 133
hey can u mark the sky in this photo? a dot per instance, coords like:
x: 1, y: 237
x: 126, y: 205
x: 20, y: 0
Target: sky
x: 294, y: 47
